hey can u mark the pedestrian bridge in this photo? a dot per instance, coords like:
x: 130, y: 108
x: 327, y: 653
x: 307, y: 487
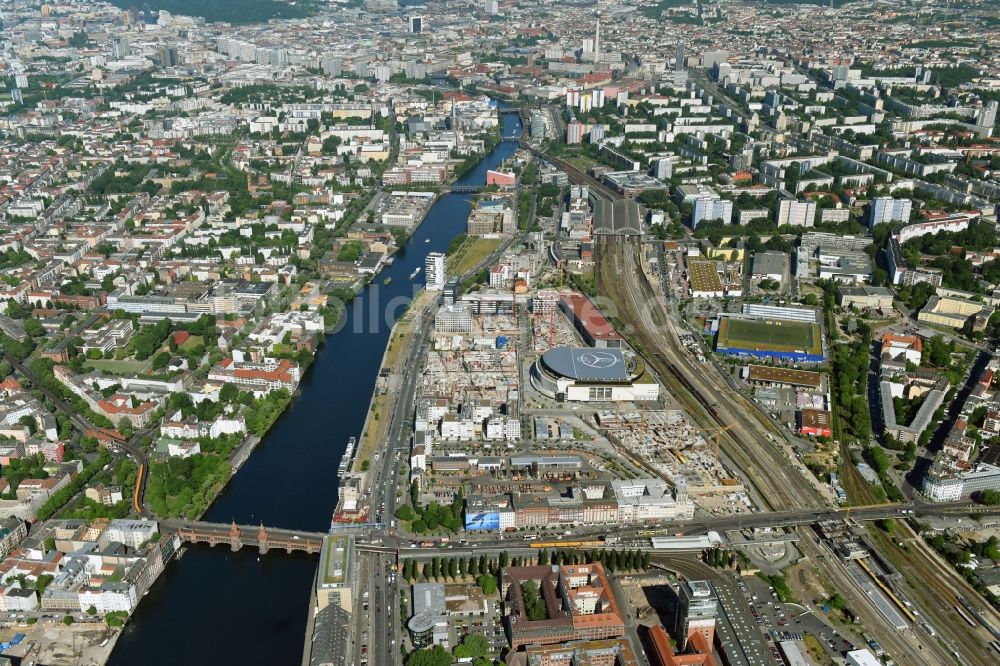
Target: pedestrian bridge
x: 238, y: 536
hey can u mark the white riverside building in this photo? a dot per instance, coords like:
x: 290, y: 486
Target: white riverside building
x: 434, y: 271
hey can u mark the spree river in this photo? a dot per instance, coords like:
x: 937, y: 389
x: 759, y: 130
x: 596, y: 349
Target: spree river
x: 214, y: 606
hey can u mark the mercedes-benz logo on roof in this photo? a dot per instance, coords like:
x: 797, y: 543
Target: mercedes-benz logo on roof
x: 596, y: 359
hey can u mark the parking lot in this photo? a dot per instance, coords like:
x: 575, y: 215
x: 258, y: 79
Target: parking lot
x: 789, y: 621
x: 740, y: 639
x: 490, y: 626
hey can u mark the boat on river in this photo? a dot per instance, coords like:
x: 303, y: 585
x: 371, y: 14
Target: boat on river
x: 345, y: 461
x: 415, y: 272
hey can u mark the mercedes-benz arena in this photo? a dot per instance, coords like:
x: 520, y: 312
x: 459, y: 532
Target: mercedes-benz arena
x: 584, y: 374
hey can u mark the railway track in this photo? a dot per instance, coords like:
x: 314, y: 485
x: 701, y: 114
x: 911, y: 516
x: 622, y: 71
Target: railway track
x: 577, y: 176
x: 778, y: 483
x: 936, y: 590
x: 903, y: 646
x: 621, y: 279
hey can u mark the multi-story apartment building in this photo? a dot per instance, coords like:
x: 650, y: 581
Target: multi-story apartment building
x: 711, y: 208
x: 796, y: 213
x: 933, y: 225
x: 574, y: 132
x: 12, y: 531
x: 114, y: 408
x: 578, y: 602
x: 945, y: 480
x: 259, y: 377
x: 955, y: 312
x: 885, y: 210
x: 435, y: 272
x: 132, y: 533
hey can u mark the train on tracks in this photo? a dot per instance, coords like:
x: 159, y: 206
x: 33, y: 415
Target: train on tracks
x: 592, y: 543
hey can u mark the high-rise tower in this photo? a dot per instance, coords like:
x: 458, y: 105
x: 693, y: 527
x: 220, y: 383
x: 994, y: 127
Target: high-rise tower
x: 697, y: 608
x: 597, y: 39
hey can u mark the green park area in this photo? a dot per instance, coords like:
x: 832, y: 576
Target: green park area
x: 192, y: 343
x: 472, y: 251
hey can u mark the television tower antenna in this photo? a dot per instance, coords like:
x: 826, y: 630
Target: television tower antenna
x: 597, y: 38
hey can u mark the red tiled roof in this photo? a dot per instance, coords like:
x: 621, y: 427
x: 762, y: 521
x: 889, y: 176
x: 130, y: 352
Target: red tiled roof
x: 598, y: 326
x: 910, y: 340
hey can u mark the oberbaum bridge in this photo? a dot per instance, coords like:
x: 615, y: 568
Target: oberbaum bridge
x: 238, y: 536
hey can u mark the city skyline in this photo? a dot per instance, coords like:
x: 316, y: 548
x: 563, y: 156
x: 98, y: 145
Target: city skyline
x: 491, y: 332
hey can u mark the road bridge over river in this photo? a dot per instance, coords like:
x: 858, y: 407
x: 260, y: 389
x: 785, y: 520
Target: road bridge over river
x: 238, y: 536
x: 376, y: 538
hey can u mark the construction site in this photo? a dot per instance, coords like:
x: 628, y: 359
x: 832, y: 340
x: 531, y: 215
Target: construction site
x: 485, y: 428
x: 671, y: 446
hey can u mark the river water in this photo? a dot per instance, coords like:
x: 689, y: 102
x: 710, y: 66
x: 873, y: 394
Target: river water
x: 217, y: 607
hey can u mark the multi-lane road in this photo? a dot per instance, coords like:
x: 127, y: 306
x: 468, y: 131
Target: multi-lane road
x: 382, y: 618
x: 410, y: 546
x: 735, y: 627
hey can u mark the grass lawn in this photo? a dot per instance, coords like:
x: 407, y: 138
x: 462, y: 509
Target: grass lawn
x: 335, y: 566
x: 816, y: 650
x: 192, y: 342
x: 770, y: 334
x: 125, y: 367
x: 471, y: 253
x: 581, y: 163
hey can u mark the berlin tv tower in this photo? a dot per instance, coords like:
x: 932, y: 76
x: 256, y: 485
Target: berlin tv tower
x: 597, y: 38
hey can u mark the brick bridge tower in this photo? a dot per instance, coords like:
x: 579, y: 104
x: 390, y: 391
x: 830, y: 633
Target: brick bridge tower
x: 235, y: 543
x: 262, y: 539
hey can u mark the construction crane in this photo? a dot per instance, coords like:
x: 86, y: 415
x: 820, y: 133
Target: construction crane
x: 552, y: 323
x: 718, y: 433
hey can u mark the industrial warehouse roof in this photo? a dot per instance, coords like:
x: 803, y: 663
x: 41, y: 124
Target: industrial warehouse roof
x: 704, y: 276
x: 586, y: 364
x: 590, y: 317
x: 769, y: 263
x: 764, y: 373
